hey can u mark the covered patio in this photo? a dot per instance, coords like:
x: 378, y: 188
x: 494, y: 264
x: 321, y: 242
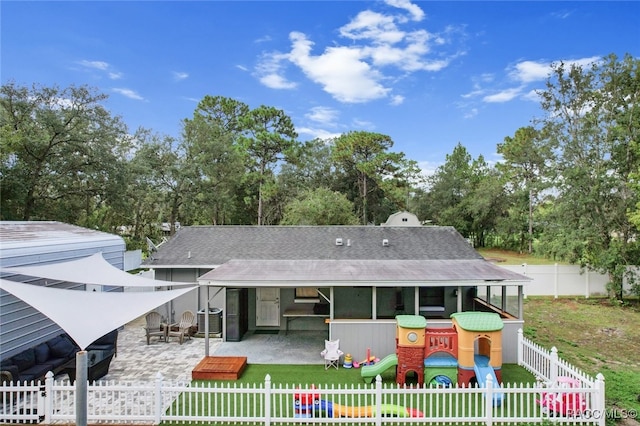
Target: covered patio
x: 343, y: 284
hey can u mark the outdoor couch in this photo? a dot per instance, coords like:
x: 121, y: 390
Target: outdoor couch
x: 52, y: 355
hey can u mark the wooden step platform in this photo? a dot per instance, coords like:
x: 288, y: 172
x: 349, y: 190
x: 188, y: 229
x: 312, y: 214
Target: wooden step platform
x: 219, y: 368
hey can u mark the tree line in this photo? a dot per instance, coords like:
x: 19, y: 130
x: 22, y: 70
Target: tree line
x: 568, y: 185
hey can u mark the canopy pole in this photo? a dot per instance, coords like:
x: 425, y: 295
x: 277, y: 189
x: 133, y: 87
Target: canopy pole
x: 206, y: 327
x: 81, y: 388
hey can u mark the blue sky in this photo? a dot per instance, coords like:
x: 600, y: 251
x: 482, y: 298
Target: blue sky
x: 429, y: 74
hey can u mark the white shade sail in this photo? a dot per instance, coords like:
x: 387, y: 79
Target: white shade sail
x: 85, y: 315
x: 90, y: 270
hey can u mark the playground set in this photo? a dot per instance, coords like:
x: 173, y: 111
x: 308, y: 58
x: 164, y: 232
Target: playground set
x: 469, y: 350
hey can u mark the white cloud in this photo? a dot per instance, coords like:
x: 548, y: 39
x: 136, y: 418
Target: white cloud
x: 471, y: 113
x: 562, y: 14
x: 365, y: 68
x: 99, y: 65
x: 270, y: 71
x: 416, y: 13
x: 324, y: 115
x: 314, y: 133
x: 242, y: 67
x: 397, y: 100
x: 180, y: 75
x: 275, y: 81
x: 378, y: 28
x: 131, y: 94
x: 533, y: 96
x: 530, y: 71
x: 340, y: 70
x: 503, y: 96
x: 362, y: 124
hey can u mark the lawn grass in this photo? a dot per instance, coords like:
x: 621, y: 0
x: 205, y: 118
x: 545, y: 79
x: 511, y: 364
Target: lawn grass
x: 505, y: 257
x: 303, y: 375
x: 597, y: 336
x: 351, y: 394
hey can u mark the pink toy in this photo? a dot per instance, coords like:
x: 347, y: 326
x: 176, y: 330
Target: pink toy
x: 564, y: 403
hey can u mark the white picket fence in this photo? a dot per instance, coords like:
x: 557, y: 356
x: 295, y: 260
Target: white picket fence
x: 379, y: 403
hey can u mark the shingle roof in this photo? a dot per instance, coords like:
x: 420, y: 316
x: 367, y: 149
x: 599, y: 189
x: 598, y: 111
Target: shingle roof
x: 384, y: 273
x: 209, y: 246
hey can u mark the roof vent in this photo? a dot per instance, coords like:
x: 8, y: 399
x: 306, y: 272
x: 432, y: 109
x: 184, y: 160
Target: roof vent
x: 338, y: 241
x: 385, y: 243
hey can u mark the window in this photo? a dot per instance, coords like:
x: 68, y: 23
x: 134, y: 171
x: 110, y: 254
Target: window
x: 306, y: 295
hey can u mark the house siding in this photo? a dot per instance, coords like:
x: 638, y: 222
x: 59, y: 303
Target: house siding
x: 33, y: 243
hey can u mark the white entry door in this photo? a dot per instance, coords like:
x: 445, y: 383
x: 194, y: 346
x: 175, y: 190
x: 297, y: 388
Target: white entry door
x: 267, y: 307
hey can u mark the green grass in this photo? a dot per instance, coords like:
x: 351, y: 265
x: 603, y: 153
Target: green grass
x: 595, y: 335
x: 504, y: 257
x: 302, y: 375
x: 306, y: 376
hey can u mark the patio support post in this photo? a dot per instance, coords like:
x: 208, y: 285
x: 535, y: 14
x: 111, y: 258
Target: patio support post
x: 416, y: 300
x: 331, y: 303
x: 504, y: 298
x: 459, y: 299
x: 206, y: 326
x: 374, y: 302
x: 81, y: 388
x: 520, y: 301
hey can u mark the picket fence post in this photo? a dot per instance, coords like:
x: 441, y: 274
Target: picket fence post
x: 488, y: 400
x: 378, y: 400
x: 158, y: 399
x: 46, y: 392
x: 601, y: 402
x: 267, y: 400
x: 553, y: 365
x: 520, y: 347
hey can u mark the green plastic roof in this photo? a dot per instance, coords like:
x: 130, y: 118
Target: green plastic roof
x: 411, y: 321
x: 478, y: 321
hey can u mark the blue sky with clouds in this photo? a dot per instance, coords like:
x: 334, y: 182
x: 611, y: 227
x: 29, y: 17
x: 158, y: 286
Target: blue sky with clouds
x: 429, y: 74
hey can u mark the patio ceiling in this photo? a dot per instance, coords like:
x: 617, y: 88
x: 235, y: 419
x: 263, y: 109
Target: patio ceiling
x: 357, y: 273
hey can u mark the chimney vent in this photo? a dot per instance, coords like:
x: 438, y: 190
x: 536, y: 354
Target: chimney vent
x: 338, y: 241
x: 385, y: 243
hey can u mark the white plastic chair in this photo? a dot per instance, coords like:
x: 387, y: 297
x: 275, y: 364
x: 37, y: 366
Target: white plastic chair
x: 331, y: 354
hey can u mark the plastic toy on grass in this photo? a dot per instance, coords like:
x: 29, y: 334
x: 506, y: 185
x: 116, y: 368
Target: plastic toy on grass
x: 369, y: 360
x: 348, y: 361
x: 306, y: 403
x: 564, y: 403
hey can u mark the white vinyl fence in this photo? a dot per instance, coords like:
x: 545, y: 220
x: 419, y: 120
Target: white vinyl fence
x: 563, y: 280
x: 377, y: 404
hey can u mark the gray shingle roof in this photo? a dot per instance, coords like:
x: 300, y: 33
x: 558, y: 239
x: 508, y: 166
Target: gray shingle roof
x: 209, y: 246
x: 291, y: 273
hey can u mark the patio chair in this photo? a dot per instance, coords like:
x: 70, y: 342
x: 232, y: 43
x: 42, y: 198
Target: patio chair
x: 182, y: 328
x: 331, y: 353
x: 154, y: 327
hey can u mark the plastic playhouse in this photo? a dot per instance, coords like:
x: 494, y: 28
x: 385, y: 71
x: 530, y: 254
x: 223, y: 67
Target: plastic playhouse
x: 469, y: 350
